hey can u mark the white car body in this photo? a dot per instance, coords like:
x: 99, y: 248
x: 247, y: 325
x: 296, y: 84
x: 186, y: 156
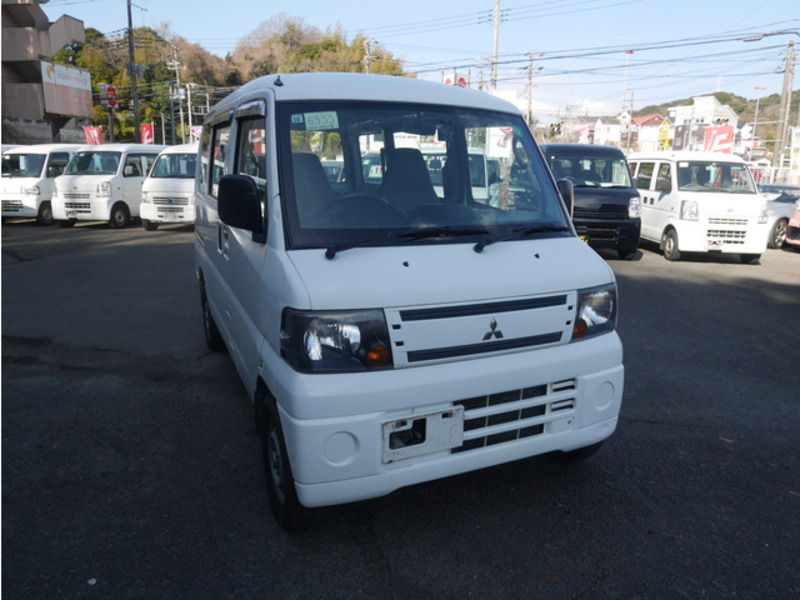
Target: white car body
x: 484, y: 368
x: 27, y: 188
x: 103, y: 183
x: 726, y: 214
x: 168, y: 190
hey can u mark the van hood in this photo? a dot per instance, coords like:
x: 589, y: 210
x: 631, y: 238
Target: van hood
x: 722, y: 204
x: 418, y: 275
x: 80, y: 183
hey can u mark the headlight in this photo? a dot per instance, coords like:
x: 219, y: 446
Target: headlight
x: 596, y: 312
x: 31, y: 191
x: 335, y: 341
x: 689, y: 210
x: 145, y: 197
x: 104, y: 189
x: 635, y: 208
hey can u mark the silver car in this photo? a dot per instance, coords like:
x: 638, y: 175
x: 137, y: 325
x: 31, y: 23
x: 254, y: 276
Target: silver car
x: 781, y: 204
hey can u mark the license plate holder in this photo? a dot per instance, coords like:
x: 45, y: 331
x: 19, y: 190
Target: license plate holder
x: 419, y: 434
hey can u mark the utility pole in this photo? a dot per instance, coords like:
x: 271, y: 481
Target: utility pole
x: 132, y: 71
x: 531, y: 71
x: 496, y: 37
x: 367, y: 54
x: 786, y: 103
x: 176, y: 66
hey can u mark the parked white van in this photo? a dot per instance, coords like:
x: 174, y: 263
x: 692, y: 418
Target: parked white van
x: 388, y: 336
x: 700, y: 202
x: 168, y: 191
x: 27, y: 181
x: 103, y: 183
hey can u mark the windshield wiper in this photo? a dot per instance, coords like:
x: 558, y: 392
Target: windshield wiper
x: 413, y: 233
x: 518, y: 233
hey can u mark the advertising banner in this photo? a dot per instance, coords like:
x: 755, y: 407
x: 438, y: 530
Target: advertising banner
x: 67, y: 90
x: 718, y: 139
x: 148, y: 134
x: 94, y: 135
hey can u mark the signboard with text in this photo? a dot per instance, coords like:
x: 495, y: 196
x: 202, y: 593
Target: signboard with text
x: 67, y: 90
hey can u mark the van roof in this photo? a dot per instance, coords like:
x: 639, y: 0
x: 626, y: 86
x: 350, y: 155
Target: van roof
x: 687, y: 155
x: 181, y: 149
x: 42, y: 148
x: 122, y: 147
x: 360, y: 86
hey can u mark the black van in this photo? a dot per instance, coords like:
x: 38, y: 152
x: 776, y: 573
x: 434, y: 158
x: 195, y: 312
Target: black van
x: 607, y: 206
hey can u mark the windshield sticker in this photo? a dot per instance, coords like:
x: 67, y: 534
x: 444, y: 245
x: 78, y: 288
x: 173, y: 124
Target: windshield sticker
x: 322, y: 121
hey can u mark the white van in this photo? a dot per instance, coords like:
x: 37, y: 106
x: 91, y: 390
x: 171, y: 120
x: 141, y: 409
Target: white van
x: 700, y: 202
x: 388, y: 336
x: 168, y: 191
x: 103, y: 183
x: 27, y: 181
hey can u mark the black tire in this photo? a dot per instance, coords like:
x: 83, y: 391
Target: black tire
x: 66, y: 224
x: 120, y: 216
x: 290, y: 514
x: 149, y: 225
x: 213, y: 337
x: 750, y: 259
x: 579, y: 455
x: 626, y: 254
x: 670, y: 245
x: 778, y: 233
x: 45, y: 215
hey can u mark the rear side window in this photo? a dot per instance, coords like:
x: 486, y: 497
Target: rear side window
x: 220, y: 141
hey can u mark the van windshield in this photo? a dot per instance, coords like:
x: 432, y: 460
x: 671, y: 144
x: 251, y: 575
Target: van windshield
x: 23, y: 165
x: 707, y: 176
x: 411, y: 174
x: 175, y: 166
x: 590, y: 170
x: 92, y: 162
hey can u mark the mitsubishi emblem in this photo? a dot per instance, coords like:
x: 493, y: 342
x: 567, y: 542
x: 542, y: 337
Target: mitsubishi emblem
x: 496, y: 333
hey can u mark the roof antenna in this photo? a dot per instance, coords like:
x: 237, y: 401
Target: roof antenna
x: 278, y: 81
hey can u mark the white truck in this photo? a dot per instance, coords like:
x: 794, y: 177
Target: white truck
x: 386, y: 335
x: 168, y: 191
x: 27, y: 180
x: 103, y: 183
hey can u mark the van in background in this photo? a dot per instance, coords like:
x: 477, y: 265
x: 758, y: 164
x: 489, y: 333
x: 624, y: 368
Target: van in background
x: 27, y: 179
x: 168, y: 191
x: 606, y: 211
x: 700, y: 202
x: 103, y: 183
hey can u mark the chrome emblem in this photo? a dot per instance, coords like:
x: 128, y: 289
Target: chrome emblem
x: 494, y: 332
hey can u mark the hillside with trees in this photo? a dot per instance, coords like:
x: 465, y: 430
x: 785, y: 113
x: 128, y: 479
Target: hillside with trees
x: 282, y: 44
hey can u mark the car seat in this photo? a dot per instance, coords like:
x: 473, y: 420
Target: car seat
x: 406, y: 182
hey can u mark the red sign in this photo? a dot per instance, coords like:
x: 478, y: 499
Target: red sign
x: 718, y: 139
x: 148, y: 134
x: 111, y: 96
x: 94, y: 135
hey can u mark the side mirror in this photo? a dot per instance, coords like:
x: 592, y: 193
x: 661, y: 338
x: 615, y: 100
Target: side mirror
x: 567, y: 191
x: 239, y: 205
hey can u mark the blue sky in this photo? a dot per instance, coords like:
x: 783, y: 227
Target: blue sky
x: 680, y: 48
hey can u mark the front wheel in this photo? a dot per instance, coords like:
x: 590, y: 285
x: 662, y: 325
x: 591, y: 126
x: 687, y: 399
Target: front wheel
x: 288, y: 511
x: 45, y: 215
x: 213, y: 337
x: 149, y: 225
x: 671, y: 251
x: 66, y: 224
x: 120, y: 216
x: 778, y: 233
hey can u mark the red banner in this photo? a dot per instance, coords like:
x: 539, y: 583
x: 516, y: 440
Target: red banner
x: 94, y: 135
x: 148, y: 134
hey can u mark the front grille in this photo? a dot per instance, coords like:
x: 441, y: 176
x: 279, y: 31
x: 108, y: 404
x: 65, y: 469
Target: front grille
x: 170, y: 201
x: 514, y: 415
x: 12, y: 205
x: 598, y: 233
x: 71, y: 196
x: 726, y: 236
x: 170, y: 209
x: 610, y: 212
x: 727, y: 221
x: 81, y: 207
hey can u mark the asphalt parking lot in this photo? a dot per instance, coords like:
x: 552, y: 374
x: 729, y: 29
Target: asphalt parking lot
x: 131, y: 467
